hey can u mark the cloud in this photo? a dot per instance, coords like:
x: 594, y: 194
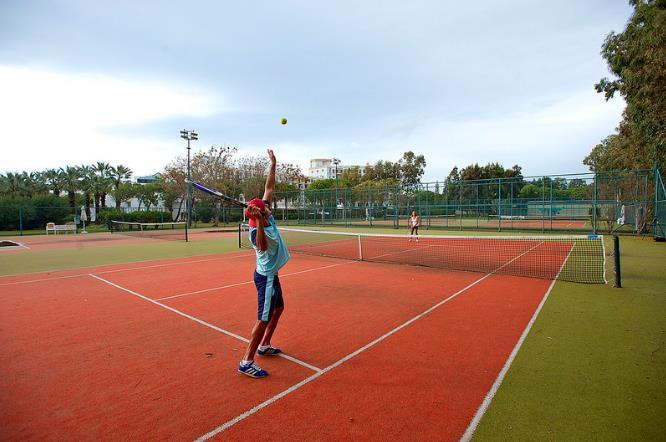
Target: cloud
x: 552, y: 135
x: 59, y: 118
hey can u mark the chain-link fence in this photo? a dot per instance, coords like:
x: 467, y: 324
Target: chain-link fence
x: 622, y: 201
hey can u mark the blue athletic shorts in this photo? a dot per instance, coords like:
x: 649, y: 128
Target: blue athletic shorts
x: 269, y: 295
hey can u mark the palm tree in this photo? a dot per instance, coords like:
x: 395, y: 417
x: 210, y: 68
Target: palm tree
x: 118, y: 174
x: 17, y: 184
x: 37, y: 183
x: 71, y: 177
x: 6, y: 184
x: 88, y: 178
x: 52, y: 179
x: 103, y: 184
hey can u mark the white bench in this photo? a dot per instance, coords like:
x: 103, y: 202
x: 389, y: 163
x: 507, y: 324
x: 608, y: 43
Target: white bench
x: 55, y: 228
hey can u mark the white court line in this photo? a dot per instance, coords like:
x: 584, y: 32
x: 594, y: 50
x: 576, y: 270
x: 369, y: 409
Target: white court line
x: 305, y: 381
x: 250, y: 282
x: 43, y: 279
x: 467, y: 436
x: 200, y: 321
x: 220, y: 258
x: 17, y: 246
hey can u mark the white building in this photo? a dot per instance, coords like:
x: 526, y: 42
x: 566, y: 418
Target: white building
x: 324, y: 168
x: 321, y: 168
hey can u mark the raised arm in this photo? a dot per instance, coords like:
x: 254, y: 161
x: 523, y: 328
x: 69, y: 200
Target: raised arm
x: 270, y: 179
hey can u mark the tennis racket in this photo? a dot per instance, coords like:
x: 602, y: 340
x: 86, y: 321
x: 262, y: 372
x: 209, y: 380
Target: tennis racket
x: 219, y: 194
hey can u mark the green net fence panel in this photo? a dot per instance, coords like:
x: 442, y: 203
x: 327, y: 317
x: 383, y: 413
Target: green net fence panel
x: 606, y: 202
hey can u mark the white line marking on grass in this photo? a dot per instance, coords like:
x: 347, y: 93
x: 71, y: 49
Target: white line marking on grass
x: 220, y: 258
x: 305, y: 381
x: 16, y: 247
x: 250, y: 282
x: 197, y: 320
x: 467, y: 436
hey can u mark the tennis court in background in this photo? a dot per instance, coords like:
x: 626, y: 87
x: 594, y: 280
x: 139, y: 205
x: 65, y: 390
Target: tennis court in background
x: 373, y: 349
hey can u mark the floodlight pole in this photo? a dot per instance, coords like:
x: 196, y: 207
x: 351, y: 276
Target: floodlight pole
x: 188, y: 135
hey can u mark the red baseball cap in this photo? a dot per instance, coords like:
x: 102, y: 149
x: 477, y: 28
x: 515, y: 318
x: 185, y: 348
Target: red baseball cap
x: 256, y: 202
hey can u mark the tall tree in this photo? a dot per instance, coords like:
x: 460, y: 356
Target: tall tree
x: 383, y: 170
x: 214, y: 168
x: 87, y: 184
x: 103, y: 185
x: 288, y: 177
x: 174, y: 187
x: 52, y: 179
x: 118, y: 174
x: 17, y: 184
x: 637, y: 59
x: 412, y: 167
x: 70, y: 182
x: 351, y: 177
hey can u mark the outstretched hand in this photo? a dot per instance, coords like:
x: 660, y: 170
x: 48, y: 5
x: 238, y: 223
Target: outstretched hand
x: 254, y: 212
x: 271, y: 155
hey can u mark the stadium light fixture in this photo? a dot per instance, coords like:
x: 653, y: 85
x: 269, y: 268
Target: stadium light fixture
x: 189, y: 135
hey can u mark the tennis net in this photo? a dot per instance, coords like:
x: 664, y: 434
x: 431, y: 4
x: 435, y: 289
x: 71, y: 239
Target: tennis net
x: 576, y: 258
x: 173, y: 230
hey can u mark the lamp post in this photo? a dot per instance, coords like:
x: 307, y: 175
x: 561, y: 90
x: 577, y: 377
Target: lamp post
x: 336, y: 161
x: 188, y: 135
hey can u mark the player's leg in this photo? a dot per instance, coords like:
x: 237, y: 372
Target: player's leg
x: 258, y: 332
x: 270, y: 328
x: 277, y: 308
x: 264, y: 285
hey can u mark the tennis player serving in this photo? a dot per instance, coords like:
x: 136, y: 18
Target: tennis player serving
x: 272, y: 255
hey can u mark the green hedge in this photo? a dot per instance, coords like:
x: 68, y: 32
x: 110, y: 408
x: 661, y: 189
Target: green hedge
x: 34, y: 213
x: 143, y: 216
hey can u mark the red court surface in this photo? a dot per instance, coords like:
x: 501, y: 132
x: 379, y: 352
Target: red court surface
x: 149, y: 350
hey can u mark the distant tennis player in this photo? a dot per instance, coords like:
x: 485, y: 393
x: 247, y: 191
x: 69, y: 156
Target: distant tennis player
x: 414, y: 223
x: 272, y: 255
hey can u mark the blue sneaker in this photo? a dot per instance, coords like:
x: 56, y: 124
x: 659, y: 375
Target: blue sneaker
x: 252, y: 370
x: 269, y: 351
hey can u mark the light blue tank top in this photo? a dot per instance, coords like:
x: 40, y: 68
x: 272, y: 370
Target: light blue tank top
x: 276, y: 255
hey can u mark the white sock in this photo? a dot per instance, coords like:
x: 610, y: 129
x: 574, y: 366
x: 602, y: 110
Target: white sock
x: 264, y: 347
x: 246, y: 363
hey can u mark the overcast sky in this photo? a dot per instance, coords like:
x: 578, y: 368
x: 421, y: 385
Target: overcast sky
x: 507, y: 80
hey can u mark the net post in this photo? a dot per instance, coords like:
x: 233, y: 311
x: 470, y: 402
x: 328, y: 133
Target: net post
x: 616, y: 256
x: 240, y: 233
x: 543, y: 204
x: 594, y: 206
x: 187, y: 237
x: 499, y: 204
x: 360, y: 248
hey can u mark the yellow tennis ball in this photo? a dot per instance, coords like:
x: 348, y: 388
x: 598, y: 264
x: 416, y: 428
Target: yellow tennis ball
x: 284, y: 121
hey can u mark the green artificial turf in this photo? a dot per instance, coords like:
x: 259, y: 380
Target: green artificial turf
x: 593, y: 367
